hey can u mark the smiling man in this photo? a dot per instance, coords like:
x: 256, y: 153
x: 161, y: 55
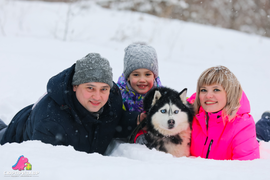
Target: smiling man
x: 82, y: 108
x: 92, y: 96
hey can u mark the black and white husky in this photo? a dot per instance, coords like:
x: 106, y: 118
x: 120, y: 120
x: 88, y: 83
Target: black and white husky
x: 169, y: 118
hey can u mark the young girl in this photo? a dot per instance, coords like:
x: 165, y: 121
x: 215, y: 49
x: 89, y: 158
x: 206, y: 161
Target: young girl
x: 139, y: 76
x: 222, y: 128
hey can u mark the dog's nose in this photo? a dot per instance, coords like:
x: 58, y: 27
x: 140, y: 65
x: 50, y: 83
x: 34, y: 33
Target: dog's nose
x: 171, y: 123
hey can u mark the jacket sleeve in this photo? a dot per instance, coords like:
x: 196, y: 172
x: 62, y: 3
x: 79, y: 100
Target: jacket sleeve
x: 128, y: 120
x: 16, y: 128
x: 49, y: 132
x: 245, y: 146
x: 127, y: 124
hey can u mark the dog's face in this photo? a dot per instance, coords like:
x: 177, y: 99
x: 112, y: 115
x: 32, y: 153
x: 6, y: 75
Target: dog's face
x: 170, y: 120
x: 167, y: 113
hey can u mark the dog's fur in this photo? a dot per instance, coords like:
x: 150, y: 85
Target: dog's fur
x: 169, y: 118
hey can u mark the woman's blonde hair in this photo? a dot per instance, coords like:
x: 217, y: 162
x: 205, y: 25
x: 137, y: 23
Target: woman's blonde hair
x: 221, y: 75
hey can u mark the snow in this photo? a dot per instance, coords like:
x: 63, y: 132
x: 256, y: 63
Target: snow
x: 38, y: 40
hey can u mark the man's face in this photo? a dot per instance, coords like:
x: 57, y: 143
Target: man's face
x: 92, y: 95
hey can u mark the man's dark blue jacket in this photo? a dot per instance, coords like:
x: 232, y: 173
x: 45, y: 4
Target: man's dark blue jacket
x: 59, y: 119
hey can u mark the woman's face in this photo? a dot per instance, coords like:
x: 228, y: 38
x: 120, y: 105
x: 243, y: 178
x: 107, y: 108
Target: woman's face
x: 213, y: 98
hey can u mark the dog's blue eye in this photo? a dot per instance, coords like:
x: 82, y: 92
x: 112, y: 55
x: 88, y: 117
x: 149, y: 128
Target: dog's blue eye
x: 163, y: 111
x: 176, y: 111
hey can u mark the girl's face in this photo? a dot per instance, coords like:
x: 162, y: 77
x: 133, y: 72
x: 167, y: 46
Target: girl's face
x: 141, y: 80
x: 213, y: 98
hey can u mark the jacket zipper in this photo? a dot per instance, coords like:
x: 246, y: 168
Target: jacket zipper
x: 206, y: 121
x: 209, y: 148
x: 206, y: 140
x: 96, y: 127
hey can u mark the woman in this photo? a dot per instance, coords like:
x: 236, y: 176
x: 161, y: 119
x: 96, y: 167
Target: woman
x: 222, y: 128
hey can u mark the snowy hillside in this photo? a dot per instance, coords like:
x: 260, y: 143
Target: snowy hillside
x: 38, y: 40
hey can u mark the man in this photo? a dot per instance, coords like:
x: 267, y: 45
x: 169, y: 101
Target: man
x: 82, y: 108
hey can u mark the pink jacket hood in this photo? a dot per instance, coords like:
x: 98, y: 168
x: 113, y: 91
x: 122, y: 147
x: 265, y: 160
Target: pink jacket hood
x: 245, y: 106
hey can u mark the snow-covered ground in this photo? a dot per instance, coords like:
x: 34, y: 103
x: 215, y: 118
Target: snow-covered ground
x: 38, y: 40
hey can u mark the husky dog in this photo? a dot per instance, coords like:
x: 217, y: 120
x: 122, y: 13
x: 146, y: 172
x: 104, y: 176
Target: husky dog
x: 169, y: 118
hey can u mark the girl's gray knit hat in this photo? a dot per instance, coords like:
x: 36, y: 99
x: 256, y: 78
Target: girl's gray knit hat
x: 93, y: 68
x: 139, y: 55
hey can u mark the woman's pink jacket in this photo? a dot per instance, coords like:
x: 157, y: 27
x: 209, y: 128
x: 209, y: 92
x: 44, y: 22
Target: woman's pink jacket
x: 223, y: 140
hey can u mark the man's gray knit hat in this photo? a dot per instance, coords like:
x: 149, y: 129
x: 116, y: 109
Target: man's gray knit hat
x: 139, y: 55
x: 93, y: 68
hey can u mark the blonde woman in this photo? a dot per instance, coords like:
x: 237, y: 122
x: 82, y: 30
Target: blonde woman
x: 222, y: 128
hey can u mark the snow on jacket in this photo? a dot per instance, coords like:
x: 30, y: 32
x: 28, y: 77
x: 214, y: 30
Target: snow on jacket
x: 132, y: 100
x: 224, y: 140
x: 59, y: 119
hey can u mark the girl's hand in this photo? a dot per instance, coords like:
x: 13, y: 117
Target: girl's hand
x: 140, y: 118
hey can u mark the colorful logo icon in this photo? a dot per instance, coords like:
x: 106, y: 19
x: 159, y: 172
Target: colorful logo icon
x: 22, y: 164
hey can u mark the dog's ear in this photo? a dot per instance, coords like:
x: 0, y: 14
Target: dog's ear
x: 183, y: 96
x: 156, y: 97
